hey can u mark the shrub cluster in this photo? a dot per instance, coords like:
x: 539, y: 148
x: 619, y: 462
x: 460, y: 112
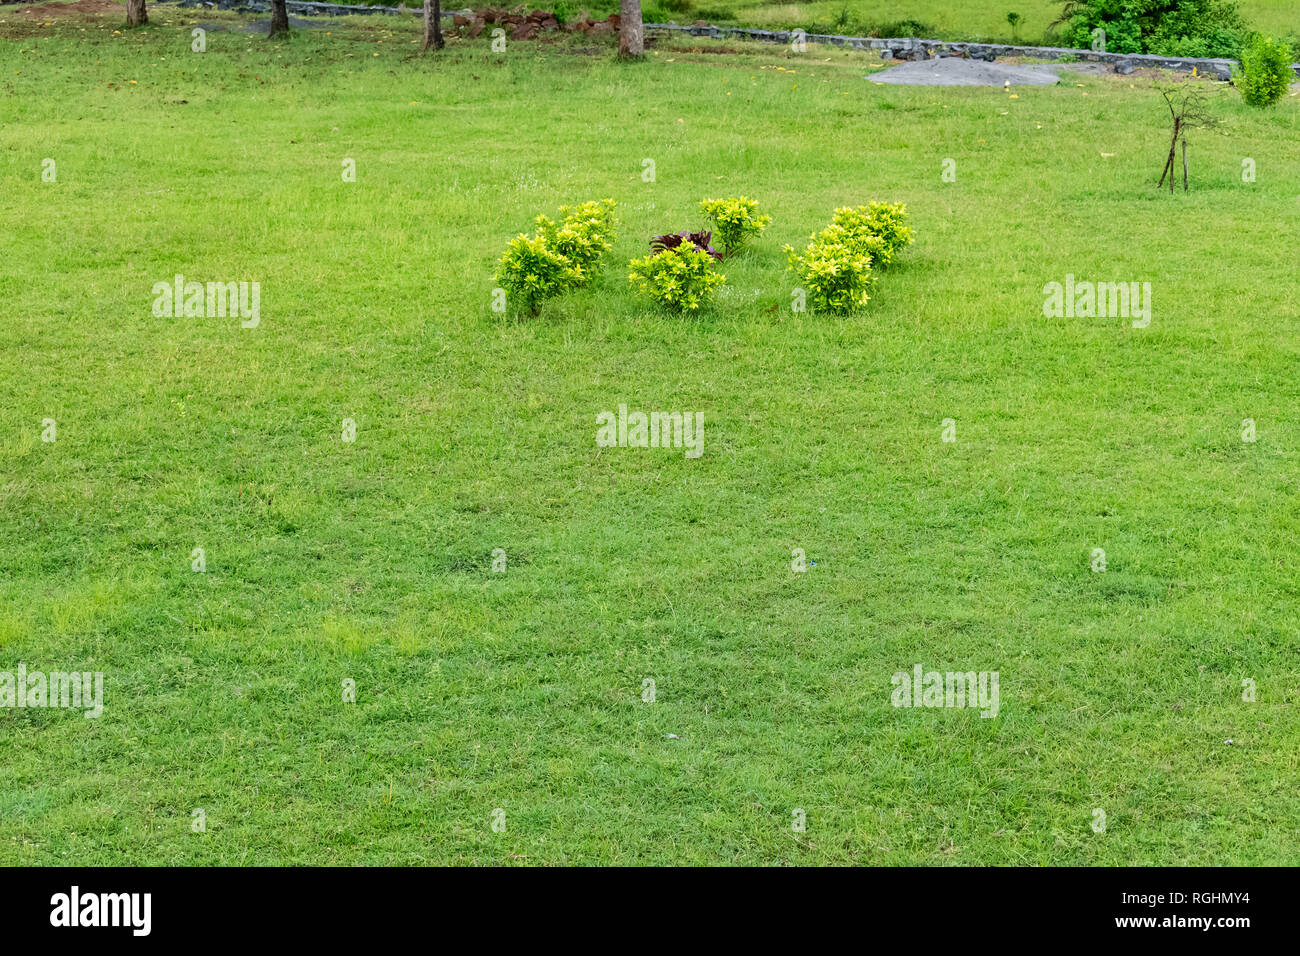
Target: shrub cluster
x: 681, y: 273
x: 560, y: 256
x: 837, y: 267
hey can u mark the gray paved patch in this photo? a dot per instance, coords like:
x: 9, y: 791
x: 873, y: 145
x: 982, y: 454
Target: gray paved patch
x: 956, y: 71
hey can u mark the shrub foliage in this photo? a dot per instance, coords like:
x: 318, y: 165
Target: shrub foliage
x: 735, y: 219
x: 837, y: 267
x: 560, y: 256
x: 1265, y: 71
x: 585, y: 233
x: 682, y: 278
x: 1165, y: 27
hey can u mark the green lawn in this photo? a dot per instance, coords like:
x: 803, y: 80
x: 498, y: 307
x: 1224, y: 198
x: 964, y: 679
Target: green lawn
x: 371, y: 561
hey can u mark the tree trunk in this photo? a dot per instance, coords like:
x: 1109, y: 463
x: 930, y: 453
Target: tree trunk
x: 433, y: 25
x: 631, y: 34
x: 279, y: 18
x: 136, y: 15
x: 1184, y: 164
x: 1169, y: 161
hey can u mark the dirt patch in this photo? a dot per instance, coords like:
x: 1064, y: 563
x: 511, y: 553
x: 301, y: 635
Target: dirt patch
x: 264, y: 26
x: 703, y: 50
x: 1086, y: 69
x: 528, y: 26
x: 53, y: 11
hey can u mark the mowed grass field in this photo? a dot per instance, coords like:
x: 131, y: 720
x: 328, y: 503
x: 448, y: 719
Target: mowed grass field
x: 522, y: 691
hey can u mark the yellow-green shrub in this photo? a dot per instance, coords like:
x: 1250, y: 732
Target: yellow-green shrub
x: 531, y: 271
x: 1265, y: 71
x: 534, y: 268
x: 585, y: 233
x: 836, y: 270
x: 734, y: 219
x: 887, y: 221
x: 682, y: 279
x: 835, y: 273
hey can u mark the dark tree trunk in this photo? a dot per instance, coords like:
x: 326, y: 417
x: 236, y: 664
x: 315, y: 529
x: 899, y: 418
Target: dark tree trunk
x: 1169, y: 160
x: 279, y: 18
x: 631, y: 33
x: 136, y: 15
x: 433, y: 25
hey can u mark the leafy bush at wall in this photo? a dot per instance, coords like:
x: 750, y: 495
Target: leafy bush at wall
x: 1265, y: 71
x: 1212, y: 28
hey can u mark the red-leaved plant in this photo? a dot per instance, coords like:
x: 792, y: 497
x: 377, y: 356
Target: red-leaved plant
x: 672, y: 240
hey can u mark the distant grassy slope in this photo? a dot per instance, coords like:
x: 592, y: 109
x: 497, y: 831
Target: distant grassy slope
x: 955, y: 19
x: 950, y: 19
